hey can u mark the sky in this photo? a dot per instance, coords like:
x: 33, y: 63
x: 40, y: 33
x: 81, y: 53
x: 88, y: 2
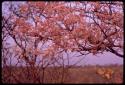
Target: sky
x: 106, y: 58
x: 100, y: 59
x: 103, y: 59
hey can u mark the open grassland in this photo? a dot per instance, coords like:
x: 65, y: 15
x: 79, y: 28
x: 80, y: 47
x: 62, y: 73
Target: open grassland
x: 87, y: 74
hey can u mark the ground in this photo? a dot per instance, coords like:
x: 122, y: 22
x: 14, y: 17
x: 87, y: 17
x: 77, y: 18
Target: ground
x: 87, y: 74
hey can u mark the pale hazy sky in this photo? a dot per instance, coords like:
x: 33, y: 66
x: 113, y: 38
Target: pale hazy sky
x: 106, y: 58
x: 103, y: 59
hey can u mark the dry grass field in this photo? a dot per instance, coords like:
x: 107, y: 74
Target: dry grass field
x: 87, y: 74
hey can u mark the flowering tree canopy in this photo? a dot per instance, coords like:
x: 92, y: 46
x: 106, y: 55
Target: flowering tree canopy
x: 84, y: 27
